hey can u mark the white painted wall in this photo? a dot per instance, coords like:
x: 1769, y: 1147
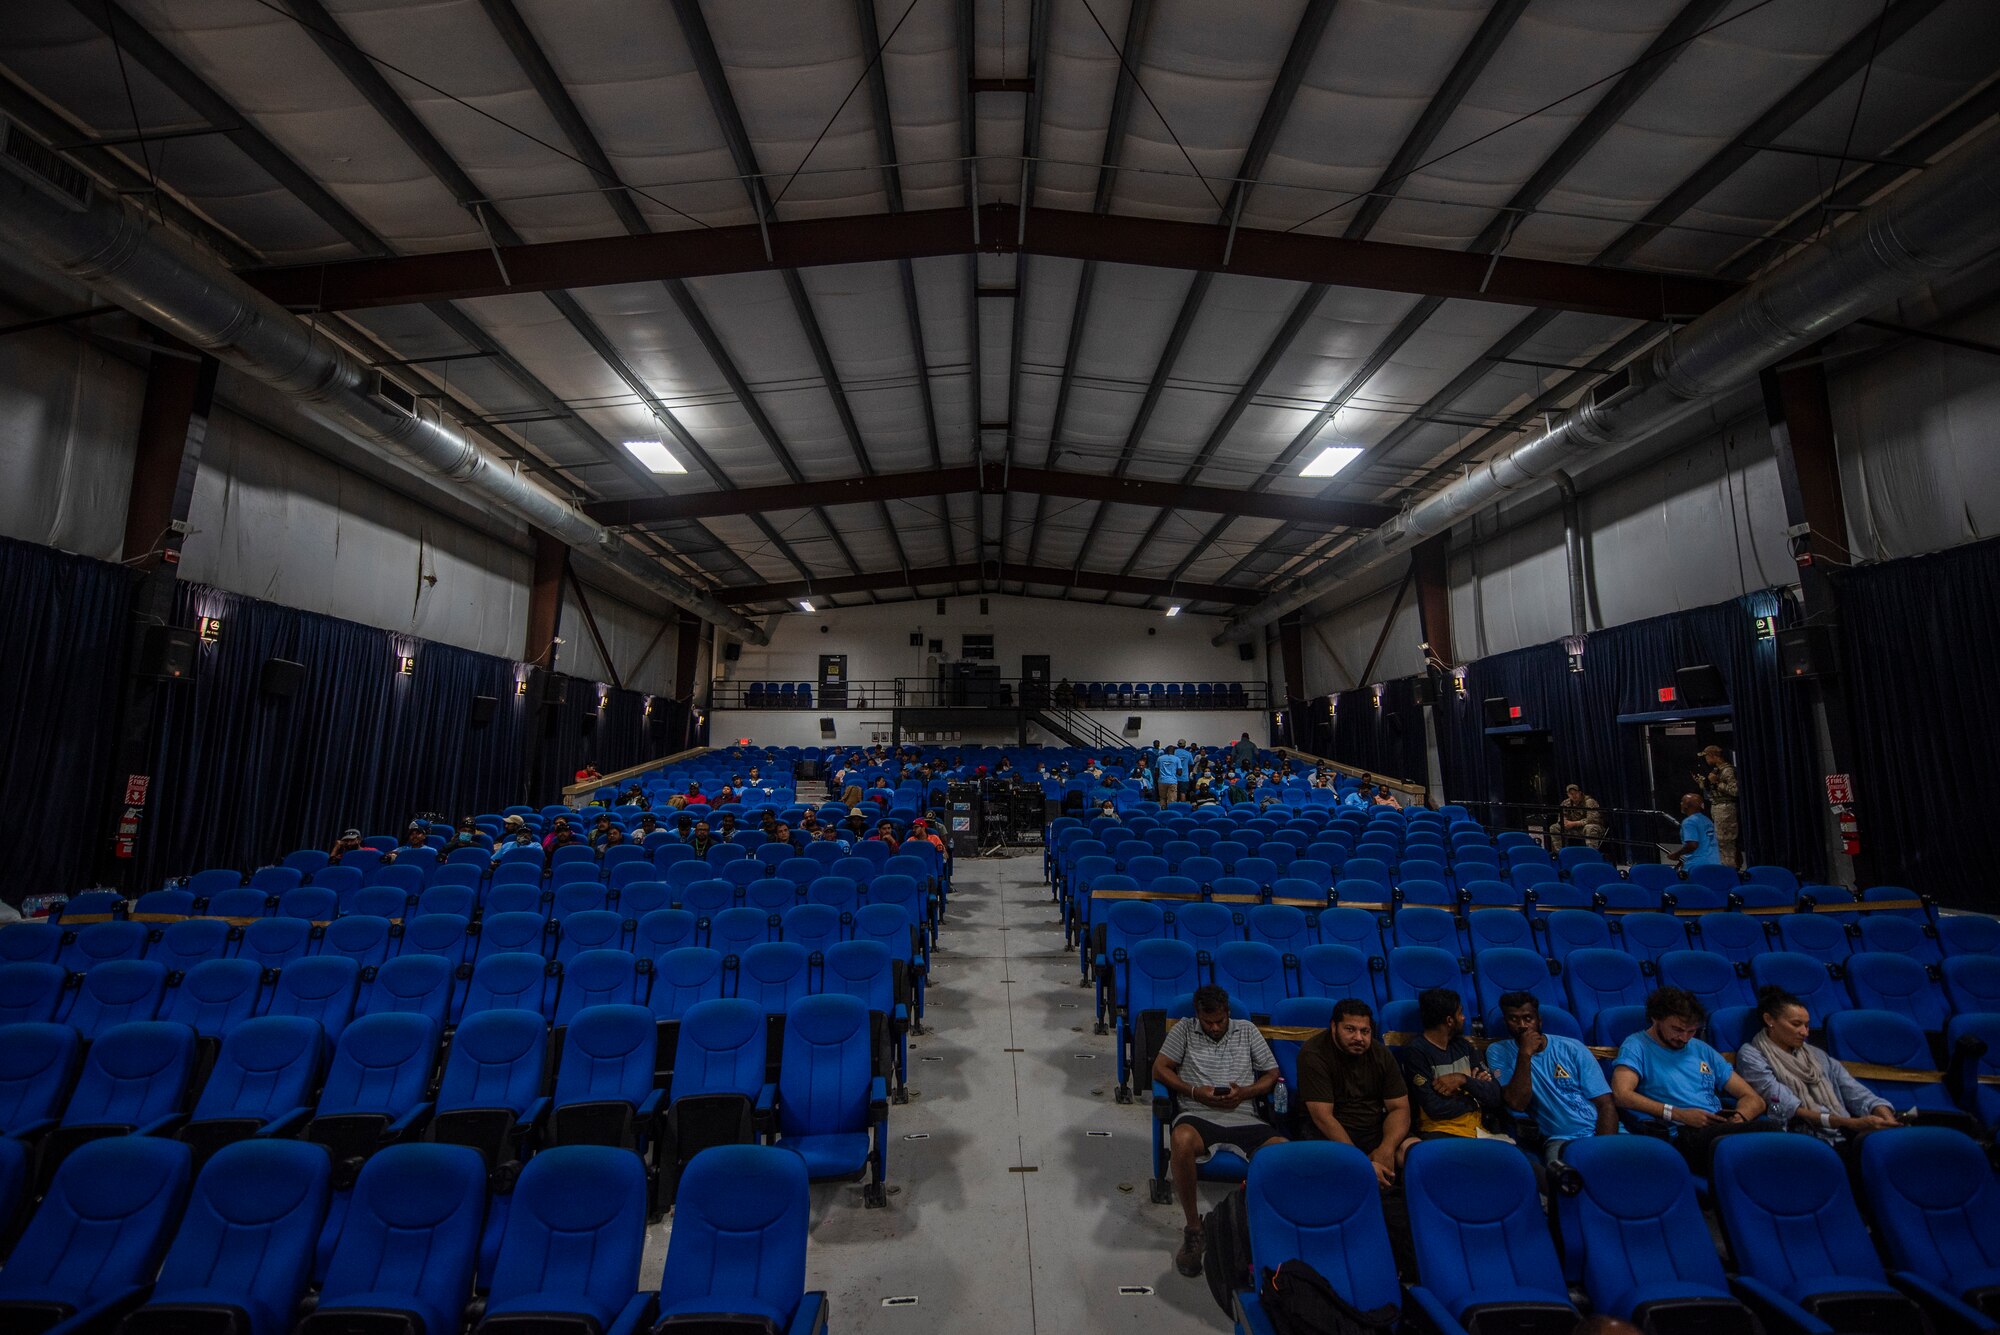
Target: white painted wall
x: 628, y: 632
x: 1084, y: 642
x: 852, y: 727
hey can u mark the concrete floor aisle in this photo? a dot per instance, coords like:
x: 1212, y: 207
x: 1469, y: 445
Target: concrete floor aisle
x: 1009, y: 1077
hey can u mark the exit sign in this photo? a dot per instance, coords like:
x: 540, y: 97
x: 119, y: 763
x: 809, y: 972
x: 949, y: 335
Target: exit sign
x: 1668, y: 695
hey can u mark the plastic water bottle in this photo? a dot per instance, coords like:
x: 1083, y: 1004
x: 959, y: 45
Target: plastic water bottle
x: 1281, y: 1099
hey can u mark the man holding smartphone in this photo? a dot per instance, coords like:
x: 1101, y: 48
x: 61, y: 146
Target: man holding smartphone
x: 1218, y: 1068
x: 1675, y: 1081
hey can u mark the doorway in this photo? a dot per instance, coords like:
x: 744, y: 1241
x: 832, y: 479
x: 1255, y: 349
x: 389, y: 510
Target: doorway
x: 1527, y: 777
x: 1673, y: 751
x: 833, y: 681
x: 1035, y: 680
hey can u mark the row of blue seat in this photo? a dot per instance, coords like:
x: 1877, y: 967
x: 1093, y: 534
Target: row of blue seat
x: 1636, y: 1238
x: 128, y: 1224
x: 875, y: 958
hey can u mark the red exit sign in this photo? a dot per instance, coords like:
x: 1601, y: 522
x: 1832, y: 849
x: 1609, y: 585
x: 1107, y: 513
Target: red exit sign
x: 1668, y: 695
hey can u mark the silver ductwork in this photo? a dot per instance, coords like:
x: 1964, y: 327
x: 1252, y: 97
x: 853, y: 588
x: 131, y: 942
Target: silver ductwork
x: 167, y: 280
x: 1943, y: 220
x: 1572, y: 548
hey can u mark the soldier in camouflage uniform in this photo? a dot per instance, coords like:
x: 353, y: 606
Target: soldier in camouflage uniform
x: 1718, y: 788
x: 1580, y: 821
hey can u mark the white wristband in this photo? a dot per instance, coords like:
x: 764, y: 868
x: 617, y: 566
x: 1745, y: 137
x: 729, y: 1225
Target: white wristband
x: 1666, y: 1112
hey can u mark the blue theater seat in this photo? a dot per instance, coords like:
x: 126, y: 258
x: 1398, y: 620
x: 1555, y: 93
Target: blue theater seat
x: 1804, y: 1261
x: 408, y: 1242
x: 832, y: 1107
x: 739, y: 1241
x: 261, y: 1085
x: 604, y: 1092
x: 1936, y: 1204
x: 38, y: 1064
x: 95, y: 1241
x: 243, y: 1253
x: 491, y: 1097
x: 323, y: 990
x: 1646, y: 1251
x: 134, y: 1083
x: 1484, y: 1255
x: 575, y: 1232
x: 1318, y: 1203
x: 214, y: 997
x: 184, y: 944
x: 376, y: 1085
x: 31, y: 992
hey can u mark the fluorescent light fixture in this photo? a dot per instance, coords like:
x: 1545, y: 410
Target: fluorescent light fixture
x: 1174, y: 611
x: 1331, y: 460
x: 805, y: 605
x: 655, y: 456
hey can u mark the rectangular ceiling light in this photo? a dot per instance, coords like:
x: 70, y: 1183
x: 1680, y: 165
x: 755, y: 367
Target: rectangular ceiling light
x: 654, y: 455
x: 1331, y: 460
x: 805, y: 605
x: 1174, y: 611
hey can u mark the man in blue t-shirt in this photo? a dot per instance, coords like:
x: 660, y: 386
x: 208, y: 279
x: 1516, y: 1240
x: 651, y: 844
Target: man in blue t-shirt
x: 1168, y: 768
x: 1675, y: 1082
x: 1555, y: 1078
x: 1698, y: 847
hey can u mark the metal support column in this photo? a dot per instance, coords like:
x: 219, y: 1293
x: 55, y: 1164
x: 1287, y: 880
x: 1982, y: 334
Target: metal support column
x: 173, y: 425
x: 1800, y: 417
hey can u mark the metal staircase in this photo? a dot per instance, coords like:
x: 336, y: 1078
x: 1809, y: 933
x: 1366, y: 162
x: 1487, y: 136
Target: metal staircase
x: 1076, y: 728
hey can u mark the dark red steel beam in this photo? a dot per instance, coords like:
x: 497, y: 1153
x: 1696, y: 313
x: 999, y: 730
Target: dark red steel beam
x: 1116, y: 239
x: 994, y: 481
x: 1104, y: 580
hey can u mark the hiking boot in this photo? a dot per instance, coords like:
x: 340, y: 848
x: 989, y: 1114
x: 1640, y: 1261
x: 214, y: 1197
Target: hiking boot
x: 1188, y: 1259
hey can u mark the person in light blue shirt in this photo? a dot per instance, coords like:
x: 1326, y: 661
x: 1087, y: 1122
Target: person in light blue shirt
x: 1171, y: 771
x: 1674, y: 1082
x: 1559, y: 1081
x: 1698, y: 847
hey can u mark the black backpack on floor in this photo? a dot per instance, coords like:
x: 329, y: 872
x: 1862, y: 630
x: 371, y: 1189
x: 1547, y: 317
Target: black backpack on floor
x: 1299, y: 1301
x: 1225, y: 1250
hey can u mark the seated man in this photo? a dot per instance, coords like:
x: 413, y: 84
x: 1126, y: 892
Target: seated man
x: 1675, y: 1082
x: 1352, y: 1089
x: 1555, y: 1078
x: 1217, y: 1067
x: 1448, y: 1082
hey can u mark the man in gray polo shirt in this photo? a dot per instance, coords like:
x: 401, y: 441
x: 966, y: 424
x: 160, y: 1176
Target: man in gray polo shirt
x: 1218, y: 1068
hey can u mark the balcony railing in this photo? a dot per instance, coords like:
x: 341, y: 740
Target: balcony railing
x: 988, y: 693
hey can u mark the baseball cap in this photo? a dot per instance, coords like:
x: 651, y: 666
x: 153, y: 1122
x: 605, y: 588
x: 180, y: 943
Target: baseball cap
x: 350, y: 834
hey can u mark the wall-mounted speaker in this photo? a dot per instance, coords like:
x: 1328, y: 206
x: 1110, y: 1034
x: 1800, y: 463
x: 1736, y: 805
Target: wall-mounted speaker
x: 1498, y: 713
x: 826, y: 727
x: 1427, y: 690
x: 1699, y: 687
x: 1806, y: 651
x: 555, y: 688
x: 482, y: 710
x: 168, y: 652
x: 1247, y: 652
x: 731, y: 652
x: 1131, y: 723
x: 281, y: 678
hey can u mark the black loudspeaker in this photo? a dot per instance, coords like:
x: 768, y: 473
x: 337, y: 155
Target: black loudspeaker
x: 1699, y: 687
x: 555, y: 688
x: 826, y: 727
x: 482, y: 710
x: 916, y: 639
x: 168, y: 652
x: 1131, y: 723
x: 1427, y: 690
x: 1247, y: 652
x: 1498, y: 714
x: 282, y: 678
x: 1806, y: 651
x: 731, y: 652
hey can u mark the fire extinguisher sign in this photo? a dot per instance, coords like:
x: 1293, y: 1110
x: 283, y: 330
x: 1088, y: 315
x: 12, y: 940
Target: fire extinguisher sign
x: 1839, y: 789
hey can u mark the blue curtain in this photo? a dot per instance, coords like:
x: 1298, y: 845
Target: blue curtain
x: 241, y: 777
x: 1623, y: 668
x: 66, y: 619
x: 1918, y: 641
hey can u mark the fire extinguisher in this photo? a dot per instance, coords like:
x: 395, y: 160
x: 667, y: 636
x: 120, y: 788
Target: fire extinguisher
x: 1850, y: 829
